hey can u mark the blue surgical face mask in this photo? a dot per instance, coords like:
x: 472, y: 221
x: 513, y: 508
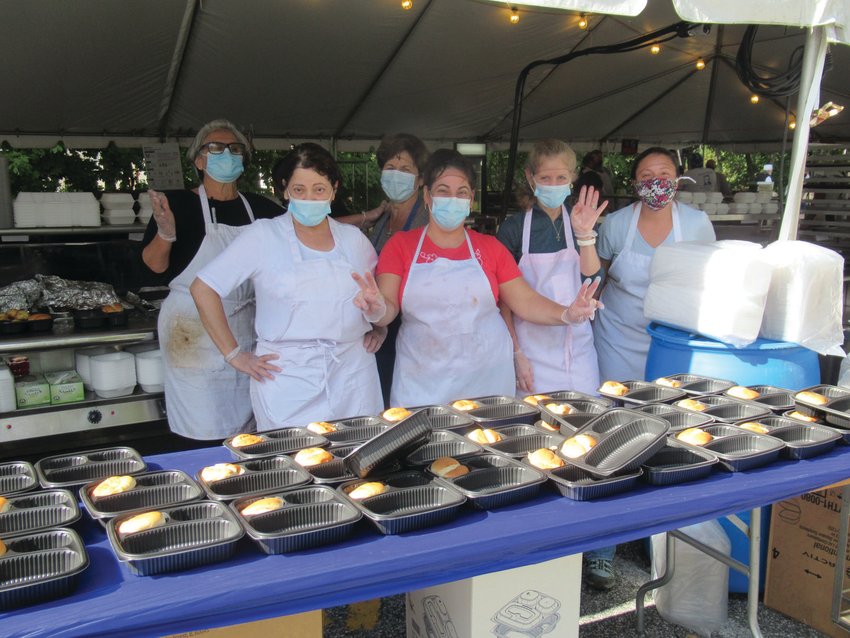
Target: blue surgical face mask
x: 449, y: 212
x: 309, y: 212
x: 551, y: 196
x: 224, y: 167
x: 398, y: 185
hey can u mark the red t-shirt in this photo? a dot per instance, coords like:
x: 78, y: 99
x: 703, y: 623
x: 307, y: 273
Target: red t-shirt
x: 495, y: 260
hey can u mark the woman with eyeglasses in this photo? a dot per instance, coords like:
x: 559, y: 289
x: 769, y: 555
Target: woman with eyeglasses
x: 205, y: 398
x: 310, y: 363
x: 447, y: 283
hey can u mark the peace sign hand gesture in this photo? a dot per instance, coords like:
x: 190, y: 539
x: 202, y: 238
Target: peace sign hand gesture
x: 586, y: 211
x: 585, y: 306
x: 369, y: 299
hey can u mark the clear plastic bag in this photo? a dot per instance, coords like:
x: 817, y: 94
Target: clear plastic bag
x: 698, y: 595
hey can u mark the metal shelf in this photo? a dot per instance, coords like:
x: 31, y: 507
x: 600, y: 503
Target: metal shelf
x: 143, y: 329
x: 74, y: 230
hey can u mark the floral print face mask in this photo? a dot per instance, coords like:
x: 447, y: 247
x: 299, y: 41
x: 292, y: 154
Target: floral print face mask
x: 658, y: 191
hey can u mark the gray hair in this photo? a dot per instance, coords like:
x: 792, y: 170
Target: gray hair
x: 217, y: 125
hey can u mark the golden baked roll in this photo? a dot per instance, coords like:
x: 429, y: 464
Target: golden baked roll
x: 548, y: 426
x: 396, y: 414
x: 545, y: 459
x: 614, y: 387
x: 535, y: 399
x: 242, y: 440
x: 112, y: 307
x: 262, y: 505
x: 141, y: 522
x: 485, y: 436
x: 577, y: 446
x: 2, y: 548
x: 560, y: 409
x: 365, y: 490
x: 447, y: 467
x: 742, y: 392
x: 221, y: 471
x: 313, y: 456
x: 669, y: 383
x: 811, y: 397
x: 692, y: 404
x: 465, y: 405
x: 321, y: 427
x: 113, y: 485
x: 694, y: 436
x: 801, y: 417
x: 5, y: 504
x: 39, y: 316
x: 754, y: 427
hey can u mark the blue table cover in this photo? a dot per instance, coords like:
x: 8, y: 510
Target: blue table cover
x: 111, y: 600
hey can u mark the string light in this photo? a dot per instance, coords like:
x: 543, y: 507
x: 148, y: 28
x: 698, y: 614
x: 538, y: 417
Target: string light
x: 754, y: 99
x: 655, y: 49
x: 700, y: 64
x: 582, y: 22
x: 792, y: 125
x: 514, y: 16
x: 407, y: 4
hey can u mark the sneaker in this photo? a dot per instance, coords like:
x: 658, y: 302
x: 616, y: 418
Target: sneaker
x: 599, y: 574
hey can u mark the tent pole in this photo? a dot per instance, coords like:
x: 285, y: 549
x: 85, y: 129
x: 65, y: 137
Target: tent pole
x: 177, y: 58
x: 709, y: 106
x: 807, y: 99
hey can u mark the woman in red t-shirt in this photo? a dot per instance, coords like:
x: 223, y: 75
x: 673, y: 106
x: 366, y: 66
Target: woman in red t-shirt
x: 447, y: 283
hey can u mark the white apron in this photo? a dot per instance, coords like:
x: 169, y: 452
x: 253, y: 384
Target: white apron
x: 622, y: 342
x: 331, y: 377
x: 205, y: 397
x: 562, y: 357
x: 452, y: 342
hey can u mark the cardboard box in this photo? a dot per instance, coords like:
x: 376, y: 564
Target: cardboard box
x: 32, y: 390
x: 65, y: 386
x: 306, y: 625
x: 801, y: 561
x: 537, y: 600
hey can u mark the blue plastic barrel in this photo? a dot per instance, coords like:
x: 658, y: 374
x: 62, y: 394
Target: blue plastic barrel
x: 763, y: 362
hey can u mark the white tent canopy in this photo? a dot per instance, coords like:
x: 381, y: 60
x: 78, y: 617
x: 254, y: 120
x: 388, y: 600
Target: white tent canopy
x: 348, y: 71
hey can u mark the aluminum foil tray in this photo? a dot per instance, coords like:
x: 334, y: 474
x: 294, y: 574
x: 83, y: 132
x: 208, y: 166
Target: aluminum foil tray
x: 81, y: 467
x: 624, y: 449
x: 17, y: 477
x: 696, y: 385
x: 678, y: 418
x: 729, y: 410
x: 502, y: 410
x: 40, y: 566
x: 676, y: 463
x: 268, y: 474
x: 153, y: 490
x: 30, y: 512
x: 771, y: 397
x: 443, y: 443
x: 495, y: 481
x: 347, y: 436
x: 445, y: 418
x: 312, y: 516
x: 745, y: 451
x: 834, y: 404
x: 519, y: 446
x: 806, y: 441
x: 194, y: 534
x: 394, y: 443
x: 579, y: 485
x: 412, y: 501
x: 275, y: 442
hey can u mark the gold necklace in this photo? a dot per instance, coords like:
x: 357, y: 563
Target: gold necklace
x: 555, y: 228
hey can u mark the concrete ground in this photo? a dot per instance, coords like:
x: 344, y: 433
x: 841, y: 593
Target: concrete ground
x: 603, y: 614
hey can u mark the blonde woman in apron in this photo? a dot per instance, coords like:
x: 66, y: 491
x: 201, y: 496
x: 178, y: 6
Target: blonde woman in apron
x: 205, y: 398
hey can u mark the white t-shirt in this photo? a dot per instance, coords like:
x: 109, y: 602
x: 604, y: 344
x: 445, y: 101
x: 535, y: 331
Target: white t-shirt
x: 705, y: 181
x: 694, y: 225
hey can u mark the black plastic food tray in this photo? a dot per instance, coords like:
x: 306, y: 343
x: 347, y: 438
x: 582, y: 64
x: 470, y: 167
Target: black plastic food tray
x: 502, y: 410
x: 678, y: 418
x: 806, y: 441
x: 611, y: 420
x: 572, y: 395
x: 445, y: 418
x: 644, y: 392
x: 677, y: 463
x: 195, y: 534
x: 833, y: 393
x: 697, y: 385
x: 585, y: 411
x: 333, y: 472
x: 519, y: 446
x: 773, y: 398
x: 40, y: 566
x: 347, y: 436
x: 359, y: 422
x: 789, y: 414
x: 394, y: 443
x: 74, y: 469
x: 312, y: 516
x: 442, y: 443
x: 745, y: 451
x: 580, y: 485
x: 263, y: 475
x: 495, y: 481
x: 729, y: 410
x: 413, y: 501
x: 275, y: 442
x: 153, y: 490
x: 17, y: 477
x: 34, y: 511
x: 837, y: 412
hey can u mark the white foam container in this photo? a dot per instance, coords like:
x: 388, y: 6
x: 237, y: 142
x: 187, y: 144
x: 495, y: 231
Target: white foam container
x: 771, y: 209
x: 47, y: 210
x: 150, y: 370
x: 117, y: 201
x: 763, y: 197
x: 744, y: 198
x: 754, y: 209
x: 698, y: 198
x: 144, y: 346
x: 114, y: 217
x: 52, y: 360
x: 82, y: 359
x: 714, y: 198
x: 145, y: 201
x: 722, y: 209
x: 709, y: 208
x: 685, y: 197
x: 113, y: 374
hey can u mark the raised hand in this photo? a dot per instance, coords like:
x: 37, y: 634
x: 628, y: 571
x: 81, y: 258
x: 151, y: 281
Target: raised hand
x: 586, y: 211
x: 369, y: 299
x: 258, y: 368
x: 585, y: 306
x: 162, y: 215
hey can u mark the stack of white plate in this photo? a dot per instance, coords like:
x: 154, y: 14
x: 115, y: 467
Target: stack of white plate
x: 113, y: 374
x: 150, y: 370
x: 145, y: 207
x: 685, y: 197
x: 744, y: 198
x: 714, y: 198
x: 82, y: 359
x: 699, y: 198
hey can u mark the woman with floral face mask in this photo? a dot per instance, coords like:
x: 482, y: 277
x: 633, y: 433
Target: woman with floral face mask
x: 627, y: 240
x: 205, y: 399
x: 447, y: 282
x: 311, y: 362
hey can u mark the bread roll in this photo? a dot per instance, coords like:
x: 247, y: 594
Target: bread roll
x: 241, y: 440
x: 670, y: 383
x: 4, y: 504
x: 484, y: 437
x: 313, y: 456
x: 741, y: 392
x: 465, y: 405
x: 548, y: 426
x: 614, y: 387
x: 141, y: 522
x: 754, y: 427
x: 396, y: 414
x: 220, y: 471
x: 365, y: 490
x: 801, y: 417
x: 692, y: 404
x: 321, y: 427
x: 560, y: 408
x: 811, y: 397
x: 694, y: 436
x: 263, y: 505
x: 534, y: 399
x: 545, y: 459
x: 577, y: 446
x: 113, y: 485
x: 2, y: 548
x: 447, y: 467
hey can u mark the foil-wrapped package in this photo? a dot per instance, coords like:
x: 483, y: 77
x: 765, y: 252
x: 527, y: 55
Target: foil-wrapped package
x: 21, y: 295
x: 75, y: 295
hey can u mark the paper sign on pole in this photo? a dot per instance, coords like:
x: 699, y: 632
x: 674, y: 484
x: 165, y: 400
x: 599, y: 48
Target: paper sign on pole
x: 163, y: 167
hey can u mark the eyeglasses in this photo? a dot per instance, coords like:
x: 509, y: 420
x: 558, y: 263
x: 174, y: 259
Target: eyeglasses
x: 217, y: 148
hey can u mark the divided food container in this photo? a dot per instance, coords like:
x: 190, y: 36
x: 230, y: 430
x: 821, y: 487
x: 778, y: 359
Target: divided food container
x: 802, y: 440
x: 30, y: 512
x: 354, y: 431
x: 573, y: 395
x: 501, y: 410
x: 282, y: 441
x: 738, y: 449
x: 17, y: 477
x: 678, y: 418
x: 678, y: 463
x: 771, y: 397
x: 261, y: 476
x: 519, y: 440
x: 311, y: 516
x: 445, y: 418
x: 443, y: 443
x: 394, y: 443
x: 580, y: 485
x: 568, y: 424
x: 40, y: 566
x: 643, y: 392
x: 836, y: 411
x: 77, y: 468
x: 698, y: 385
x: 335, y: 472
x: 153, y: 490
x: 195, y: 534
x: 729, y: 410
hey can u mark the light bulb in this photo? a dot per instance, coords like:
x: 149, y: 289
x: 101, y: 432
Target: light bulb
x: 792, y: 125
x: 655, y: 49
x: 514, y: 16
x: 754, y: 99
x: 406, y: 4
x: 582, y: 22
x: 700, y: 64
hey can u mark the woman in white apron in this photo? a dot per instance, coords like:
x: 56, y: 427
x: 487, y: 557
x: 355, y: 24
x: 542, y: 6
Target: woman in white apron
x: 556, y: 251
x: 310, y: 363
x: 205, y: 398
x: 445, y: 281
